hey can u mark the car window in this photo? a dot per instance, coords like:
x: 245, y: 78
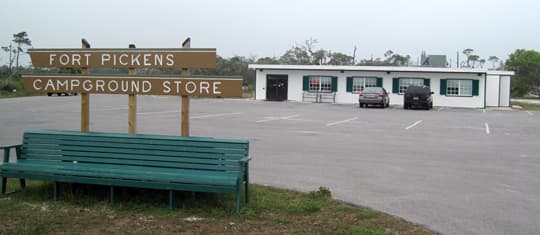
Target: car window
x: 372, y: 90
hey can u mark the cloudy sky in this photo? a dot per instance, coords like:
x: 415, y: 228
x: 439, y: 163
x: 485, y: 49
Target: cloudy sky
x: 269, y: 27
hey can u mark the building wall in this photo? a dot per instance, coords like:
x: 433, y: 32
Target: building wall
x: 493, y: 85
x: 342, y: 96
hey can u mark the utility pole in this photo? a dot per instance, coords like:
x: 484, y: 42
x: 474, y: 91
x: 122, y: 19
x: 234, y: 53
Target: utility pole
x: 354, y: 56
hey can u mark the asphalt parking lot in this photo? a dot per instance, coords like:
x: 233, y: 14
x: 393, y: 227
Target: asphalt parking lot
x: 456, y: 171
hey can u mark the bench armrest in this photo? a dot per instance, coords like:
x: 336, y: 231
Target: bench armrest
x: 7, y: 150
x: 246, y: 159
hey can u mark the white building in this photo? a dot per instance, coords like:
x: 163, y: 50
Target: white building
x: 470, y: 88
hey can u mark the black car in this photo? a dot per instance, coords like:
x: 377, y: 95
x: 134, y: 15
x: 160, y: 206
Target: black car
x: 418, y: 96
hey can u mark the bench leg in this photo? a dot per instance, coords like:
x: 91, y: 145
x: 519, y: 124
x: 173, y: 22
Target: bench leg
x: 247, y: 183
x: 56, y: 188
x: 23, y: 183
x: 171, y: 200
x: 238, y: 196
x: 4, y: 185
x: 112, y: 195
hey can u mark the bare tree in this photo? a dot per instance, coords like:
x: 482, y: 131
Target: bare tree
x: 12, y: 51
x: 493, y: 60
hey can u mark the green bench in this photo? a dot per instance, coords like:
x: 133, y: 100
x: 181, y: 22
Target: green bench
x: 171, y: 163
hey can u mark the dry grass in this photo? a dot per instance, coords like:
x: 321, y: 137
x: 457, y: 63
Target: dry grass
x: 84, y: 209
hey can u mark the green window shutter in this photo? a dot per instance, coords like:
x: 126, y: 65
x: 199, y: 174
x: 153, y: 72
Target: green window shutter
x: 426, y: 81
x: 305, y: 86
x: 334, y: 84
x: 475, y: 87
x: 395, y: 85
x: 379, y: 82
x: 349, y: 84
x: 443, y: 86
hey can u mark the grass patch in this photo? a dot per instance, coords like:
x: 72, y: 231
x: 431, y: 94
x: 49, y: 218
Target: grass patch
x: 85, y: 209
x: 527, y: 106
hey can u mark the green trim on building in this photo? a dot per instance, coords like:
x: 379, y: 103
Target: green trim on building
x: 426, y: 82
x: 334, y: 84
x: 395, y: 85
x: 379, y: 82
x: 305, y: 83
x: 349, y: 84
x: 476, y: 88
x: 443, y: 87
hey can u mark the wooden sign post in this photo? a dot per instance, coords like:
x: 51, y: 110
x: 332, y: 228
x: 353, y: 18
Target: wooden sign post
x: 85, y: 98
x: 132, y: 85
x: 185, y: 99
x: 132, y: 105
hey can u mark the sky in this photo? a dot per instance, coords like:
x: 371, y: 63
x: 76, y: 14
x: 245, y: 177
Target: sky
x: 263, y: 28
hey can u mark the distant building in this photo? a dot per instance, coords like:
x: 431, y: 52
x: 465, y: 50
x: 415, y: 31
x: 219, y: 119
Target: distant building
x: 438, y: 61
x: 452, y: 87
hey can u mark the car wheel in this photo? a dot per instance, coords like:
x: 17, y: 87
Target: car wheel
x: 49, y: 94
x: 405, y: 106
x: 361, y: 105
x: 388, y: 104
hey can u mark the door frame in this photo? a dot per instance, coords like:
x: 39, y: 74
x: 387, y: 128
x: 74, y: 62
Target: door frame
x: 285, y: 94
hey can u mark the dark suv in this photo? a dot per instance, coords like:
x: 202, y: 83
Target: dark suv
x: 418, y: 96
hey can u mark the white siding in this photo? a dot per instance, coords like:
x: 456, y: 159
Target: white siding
x: 505, y: 91
x: 492, y: 96
x: 342, y: 96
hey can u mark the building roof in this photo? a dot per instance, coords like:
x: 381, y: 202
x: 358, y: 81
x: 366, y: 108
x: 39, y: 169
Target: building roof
x: 378, y: 69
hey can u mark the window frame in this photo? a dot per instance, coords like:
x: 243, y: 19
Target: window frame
x: 400, y: 92
x: 459, y: 88
x: 363, y: 83
x: 327, y: 84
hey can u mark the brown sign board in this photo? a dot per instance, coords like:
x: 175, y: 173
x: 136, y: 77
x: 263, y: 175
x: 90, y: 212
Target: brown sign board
x: 124, y: 58
x: 203, y: 86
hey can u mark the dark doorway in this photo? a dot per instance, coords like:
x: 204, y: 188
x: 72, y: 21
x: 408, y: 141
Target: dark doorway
x: 276, y: 87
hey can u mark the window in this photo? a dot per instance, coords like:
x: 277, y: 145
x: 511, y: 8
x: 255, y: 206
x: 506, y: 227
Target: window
x: 406, y: 82
x: 358, y: 83
x: 320, y: 84
x: 459, y: 88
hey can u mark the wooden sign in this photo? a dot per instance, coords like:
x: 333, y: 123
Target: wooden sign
x: 124, y: 58
x: 203, y: 86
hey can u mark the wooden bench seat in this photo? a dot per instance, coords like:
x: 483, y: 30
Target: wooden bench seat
x: 142, y: 161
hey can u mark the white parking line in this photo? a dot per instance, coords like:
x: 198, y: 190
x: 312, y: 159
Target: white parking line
x: 529, y: 112
x: 487, y: 128
x: 215, y: 115
x: 414, y: 124
x: 268, y: 119
x: 343, y: 121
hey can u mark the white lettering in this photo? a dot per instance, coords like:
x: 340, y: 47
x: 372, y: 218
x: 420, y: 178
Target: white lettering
x: 216, y: 88
x: 76, y: 59
x: 104, y: 58
x: 111, y: 87
x: 74, y: 84
x: 147, y: 59
x: 62, y: 85
x: 192, y: 90
x: 122, y: 61
x: 158, y: 59
x: 100, y: 84
x: 50, y: 86
x: 135, y: 59
x: 51, y: 58
x: 87, y: 58
x: 135, y: 86
x: 166, y: 87
x: 35, y: 84
x: 124, y: 86
x: 204, y: 86
x: 177, y: 83
x: 87, y: 85
x: 114, y: 59
x: 146, y: 86
x: 64, y: 59
x: 170, y: 59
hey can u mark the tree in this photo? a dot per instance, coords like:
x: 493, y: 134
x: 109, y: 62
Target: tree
x: 338, y: 58
x: 468, y: 52
x: 267, y: 60
x: 526, y: 64
x: 21, y: 39
x: 473, y: 59
x: 12, y: 51
x: 493, y: 60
